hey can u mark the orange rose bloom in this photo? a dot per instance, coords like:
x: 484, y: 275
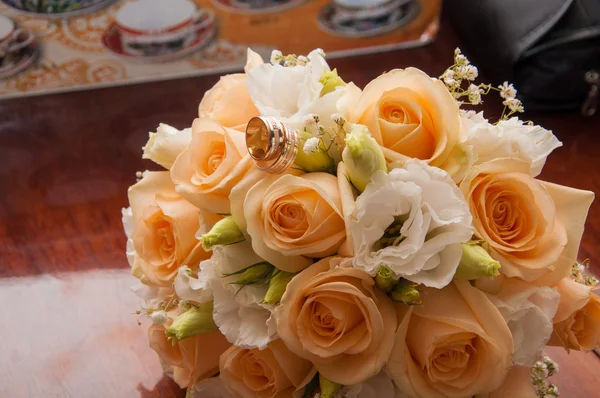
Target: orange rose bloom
x: 336, y: 318
x: 164, y: 229
x: 194, y: 359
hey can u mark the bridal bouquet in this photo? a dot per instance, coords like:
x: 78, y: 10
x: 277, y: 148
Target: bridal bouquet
x: 312, y: 239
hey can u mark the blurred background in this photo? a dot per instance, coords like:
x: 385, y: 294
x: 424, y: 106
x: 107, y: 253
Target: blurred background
x: 550, y: 50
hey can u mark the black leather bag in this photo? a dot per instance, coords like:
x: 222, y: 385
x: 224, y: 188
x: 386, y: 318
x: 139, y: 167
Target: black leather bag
x: 549, y: 49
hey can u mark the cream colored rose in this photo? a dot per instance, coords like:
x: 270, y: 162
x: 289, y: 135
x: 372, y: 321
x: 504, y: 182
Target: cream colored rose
x: 533, y: 228
x: 411, y: 115
x: 291, y: 218
x: 517, y: 384
x: 336, y: 318
x: 194, y: 358
x: 215, y: 160
x: 164, y: 229
x: 272, y: 372
x: 577, y: 321
x: 166, y: 144
x: 228, y: 102
x: 455, y: 345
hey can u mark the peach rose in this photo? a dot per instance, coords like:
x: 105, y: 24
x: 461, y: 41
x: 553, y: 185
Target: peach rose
x: 532, y: 227
x: 215, y: 160
x: 290, y: 218
x: 193, y: 359
x: 228, y: 102
x: 164, y: 229
x: 272, y: 372
x: 577, y: 321
x: 517, y: 384
x: 336, y: 318
x: 410, y: 115
x: 456, y: 344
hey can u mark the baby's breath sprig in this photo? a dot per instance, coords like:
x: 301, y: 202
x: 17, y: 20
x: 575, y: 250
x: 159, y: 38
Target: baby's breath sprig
x: 459, y: 79
x: 316, y: 146
x: 578, y: 274
x: 277, y: 58
x: 540, y: 372
x: 158, y: 316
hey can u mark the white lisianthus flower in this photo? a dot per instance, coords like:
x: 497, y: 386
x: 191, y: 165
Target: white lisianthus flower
x: 210, y: 388
x: 195, y: 289
x: 379, y: 386
x: 152, y: 296
x: 127, y: 220
x: 292, y: 92
x: 166, y: 144
x: 509, y: 138
x: 528, y: 310
x: 412, y: 220
x: 239, y: 313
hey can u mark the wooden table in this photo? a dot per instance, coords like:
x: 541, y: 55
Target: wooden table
x: 67, y: 326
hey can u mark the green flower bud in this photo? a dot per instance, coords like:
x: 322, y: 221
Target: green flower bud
x: 362, y: 156
x: 328, y: 388
x: 255, y: 274
x: 224, y: 232
x: 406, y: 293
x: 196, y: 321
x: 277, y: 286
x: 330, y: 80
x: 312, y: 157
x: 384, y: 279
x: 476, y: 262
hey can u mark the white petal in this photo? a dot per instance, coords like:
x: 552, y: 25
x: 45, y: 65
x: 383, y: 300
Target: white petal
x: 435, y: 219
x: 166, y: 144
x: 239, y: 314
x: 151, y: 295
x: 195, y: 289
x: 379, y: 386
x: 127, y: 219
x: 510, y: 138
x: 210, y: 388
x: 528, y: 310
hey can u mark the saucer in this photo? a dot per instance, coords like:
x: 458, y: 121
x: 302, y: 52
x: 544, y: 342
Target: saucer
x: 256, y: 6
x: 25, y: 60
x: 112, y: 42
x: 86, y: 7
x: 366, y: 22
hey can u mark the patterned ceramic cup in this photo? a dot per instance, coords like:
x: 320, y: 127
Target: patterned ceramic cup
x: 51, y: 6
x: 12, y: 40
x: 151, y: 27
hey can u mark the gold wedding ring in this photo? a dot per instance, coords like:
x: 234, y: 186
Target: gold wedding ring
x: 271, y: 144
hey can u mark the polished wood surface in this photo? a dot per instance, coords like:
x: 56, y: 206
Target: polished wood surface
x: 67, y: 327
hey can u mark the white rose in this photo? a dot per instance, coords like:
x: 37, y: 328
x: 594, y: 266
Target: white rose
x: 238, y: 313
x: 528, y: 310
x: 291, y: 92
x: 210, y: 388
x: 413, y: 220
x: 166, y: 144
x: 511, y: 139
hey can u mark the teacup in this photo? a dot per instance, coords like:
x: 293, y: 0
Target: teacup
x: 355, y: 10
x: 12, y: 40
x: 50, y: 6
x: 150, y: 27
